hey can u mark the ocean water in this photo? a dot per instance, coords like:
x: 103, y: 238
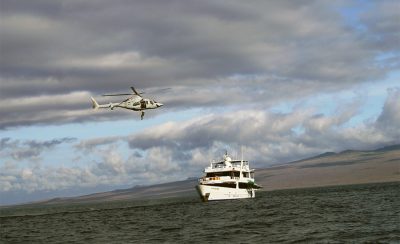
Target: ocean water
x: 343, y: 214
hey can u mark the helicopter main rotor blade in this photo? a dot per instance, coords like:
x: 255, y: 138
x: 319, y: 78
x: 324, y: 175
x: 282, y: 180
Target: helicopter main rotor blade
x: 134, y: 90
x: 123, y: 94
x: 156, y: 90
x: 165, y: 89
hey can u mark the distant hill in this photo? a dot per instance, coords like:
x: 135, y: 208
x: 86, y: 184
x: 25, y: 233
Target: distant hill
x: 166, y: 190
x: 347, y: 167
x: 327, y: 169
x: 389, y: 148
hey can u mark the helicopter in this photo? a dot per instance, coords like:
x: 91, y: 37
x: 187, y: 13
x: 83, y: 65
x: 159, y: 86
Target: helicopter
x: 135, y: 102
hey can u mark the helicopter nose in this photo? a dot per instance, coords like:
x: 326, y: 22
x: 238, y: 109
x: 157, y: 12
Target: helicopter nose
x: 160, y: 104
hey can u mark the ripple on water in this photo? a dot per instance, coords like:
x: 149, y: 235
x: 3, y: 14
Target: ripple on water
x: 364, y: 213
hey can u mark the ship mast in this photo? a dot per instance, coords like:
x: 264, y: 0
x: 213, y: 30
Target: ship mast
x: 241, y: 164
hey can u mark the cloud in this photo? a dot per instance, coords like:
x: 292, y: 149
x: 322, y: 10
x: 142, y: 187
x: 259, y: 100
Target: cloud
x: 381, y: 25
x: 281, y: 48
x: 389, y: 119
x: 49, y: 109
x: 90, y: 144
x: 174, y: 151
x: 274, y: 137
x: 28, y: 149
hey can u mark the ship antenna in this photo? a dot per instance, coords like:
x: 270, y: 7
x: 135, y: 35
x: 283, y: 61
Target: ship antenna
x: 241, y: 148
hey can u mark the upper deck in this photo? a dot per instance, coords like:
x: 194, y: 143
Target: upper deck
x: 228, y: 165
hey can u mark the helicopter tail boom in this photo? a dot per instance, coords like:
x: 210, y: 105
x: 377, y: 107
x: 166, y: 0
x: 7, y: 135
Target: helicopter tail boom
x: 96, y: 105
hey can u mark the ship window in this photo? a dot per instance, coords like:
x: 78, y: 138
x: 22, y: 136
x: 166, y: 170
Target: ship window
x: 219, y: 165
x: 246, y: 174
x: 223, y: 185
x: 243, y: 185
x: 252, y: 175
x: 236, y: 174
x: 226, y: 173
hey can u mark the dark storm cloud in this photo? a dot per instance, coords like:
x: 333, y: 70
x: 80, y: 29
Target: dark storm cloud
x: 64, y: 47
x: 382, y: 24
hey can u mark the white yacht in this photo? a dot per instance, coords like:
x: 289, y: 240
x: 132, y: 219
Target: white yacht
x: 227, y: 179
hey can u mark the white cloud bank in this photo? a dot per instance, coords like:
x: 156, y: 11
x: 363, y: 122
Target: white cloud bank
x: 176, y: 150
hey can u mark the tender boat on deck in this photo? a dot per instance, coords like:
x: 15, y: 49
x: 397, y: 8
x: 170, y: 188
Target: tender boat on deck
x: 227, y: 179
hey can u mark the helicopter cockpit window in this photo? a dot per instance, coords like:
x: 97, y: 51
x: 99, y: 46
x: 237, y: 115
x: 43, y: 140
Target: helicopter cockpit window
x: 152, y: 102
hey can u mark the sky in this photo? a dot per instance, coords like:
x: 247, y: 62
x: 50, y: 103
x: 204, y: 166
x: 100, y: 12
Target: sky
x: 284, y: 80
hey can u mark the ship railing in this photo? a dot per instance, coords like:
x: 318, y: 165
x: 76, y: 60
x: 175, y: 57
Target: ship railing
x: 204, y: 179
x: 218, y: 166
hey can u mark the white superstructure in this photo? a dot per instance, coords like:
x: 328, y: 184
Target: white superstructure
x: 227, y: 179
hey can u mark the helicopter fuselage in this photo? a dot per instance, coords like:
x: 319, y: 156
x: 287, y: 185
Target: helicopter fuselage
x: 131, y: 104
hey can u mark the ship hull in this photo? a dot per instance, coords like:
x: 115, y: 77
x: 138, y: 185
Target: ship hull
x: 214, y: 193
